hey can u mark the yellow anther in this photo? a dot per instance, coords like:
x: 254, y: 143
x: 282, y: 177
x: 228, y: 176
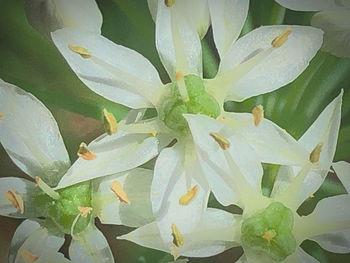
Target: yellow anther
x: 110, y: 123
x: 154, y: 133
x: 281, y: 39
x: 269, y: 235
x: 189, y: 196
x: 169, y: 3
x: 16, y: 200
x: 315, y: 154
x: 179, y: 75
x: 118, y: 189
x: 311, y: 196
x: 83, y: 52
x: 84, y: 152
x: 178, y: 239
x: 258, y: 113
x: 84, y: 210
x: 28, y: 257
x: 221, y: 140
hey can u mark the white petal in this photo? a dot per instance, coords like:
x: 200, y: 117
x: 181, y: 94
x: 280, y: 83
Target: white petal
x: 222, y: 179
x: 227, y: 18
x: 39, y: 242
x: 49, y: 15
x: 168, y: 186
x: 307, y: 5
x: 90, y: 246
x: 342, y: 170
x: 336, y: 26
x: 114, y: 154
x: 153, y: 6
x: 272, y: 143
x: 137, y: 185
x: 337, y: 242
x: 177, y: 42
x: 280, y: 67
x: 325, y: 129
x: 25, y: 189
x: 113, y: 71
x: 30, y: 135
x: 300, y: 256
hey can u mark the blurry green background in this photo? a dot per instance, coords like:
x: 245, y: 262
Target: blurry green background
x: 30, y: 61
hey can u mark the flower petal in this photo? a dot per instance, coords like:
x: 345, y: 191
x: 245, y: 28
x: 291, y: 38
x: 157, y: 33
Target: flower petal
x: 90, y: 246
x: 277, y: 69
x: 342, y: 170
x: 30, y: 135
x: 337, y: 242
x: 307, y: 5
x: 177, y: 41
x: 137, y: 186
x: 168, y: 186
x: 113, y: 71
x: 49, y: 15
x: 114, y: 153
x: 25, y: 189
x: 227, y: 18
x: 324, y: 130
x: 336, y: 26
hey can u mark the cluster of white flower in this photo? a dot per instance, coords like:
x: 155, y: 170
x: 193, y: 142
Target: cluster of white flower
x: 199, y: 148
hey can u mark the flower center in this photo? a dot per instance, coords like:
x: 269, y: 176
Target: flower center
x: 64, y: 211
x: 269, y: 233
x: 199, y: 101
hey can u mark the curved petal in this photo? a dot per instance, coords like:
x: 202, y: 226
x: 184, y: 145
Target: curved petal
x: 25, y: 189
x: 336, y: 26
x: 272, y: 143
x: 227, y: 18
x: 177, y: 41
x: 32, y: 239
x: 324, y: 130
x: 137, y: 185
x: 342, y: 170
x: 90, y: 247
x: 275, y: 67
x: 217, y: 232
x: 49, y: 15
x: 307, y: 5
x: 337, y: 242
x: 300, y: 256
x: 114, y: 153
x: 168, y: 186
x: 113, y: 71
x: 30, y: 135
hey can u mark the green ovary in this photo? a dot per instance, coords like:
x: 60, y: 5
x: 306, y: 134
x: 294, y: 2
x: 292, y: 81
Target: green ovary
x: 64, y: 210
x: 173, y: 107
x: 269, y: 233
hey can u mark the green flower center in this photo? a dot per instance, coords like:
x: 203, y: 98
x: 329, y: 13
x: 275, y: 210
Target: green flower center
x: 269, y: 233
x: 64, y: 211
x: 173, y: 107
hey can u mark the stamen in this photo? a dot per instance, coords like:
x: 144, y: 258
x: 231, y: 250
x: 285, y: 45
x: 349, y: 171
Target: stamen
x: 110, y: 123
x: 46, y: 189
x: 27, y: 256
x: 154, y: 133
x: 189, y: 196
x: 83, y: 52
x: 118, y: 189
x: 84, y: 210
x: 84, y: 152
x: 311, y: 196
x: 269, y: 235
x: 16, y: 200
x: 315, y: 154
x: 281, y: 39
x: 178, y: 239
x: 258, y: 113
x: 182, y: 86
x: 221, y: 140
x: 169, y: 3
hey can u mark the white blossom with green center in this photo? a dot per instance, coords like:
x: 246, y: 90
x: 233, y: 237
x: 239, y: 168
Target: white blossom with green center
x: 30, y: 136
x: 270, y: 228
x: 333, y: 19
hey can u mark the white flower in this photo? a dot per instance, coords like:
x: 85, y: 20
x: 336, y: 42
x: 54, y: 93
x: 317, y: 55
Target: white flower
x: 260, y: 62
x: 30, y: 136
x: 334, y: 20
x: 270, y: 229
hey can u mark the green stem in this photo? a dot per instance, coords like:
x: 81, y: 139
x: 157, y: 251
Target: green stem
x: 210, y: 61
x: 277, y: 14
